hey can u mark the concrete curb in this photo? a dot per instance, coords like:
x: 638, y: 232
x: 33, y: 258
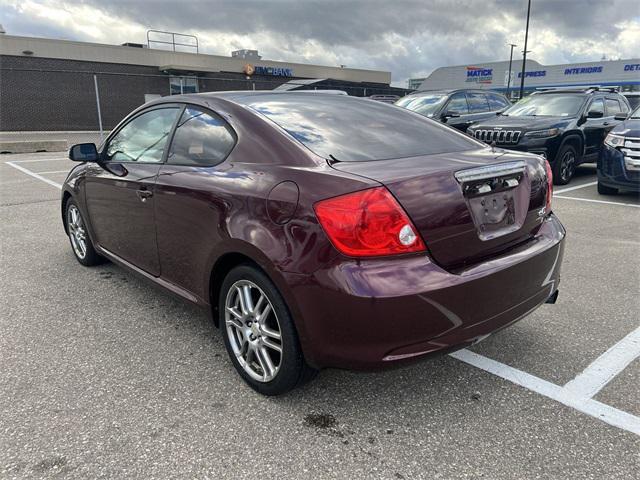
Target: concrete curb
x: 32, y: 146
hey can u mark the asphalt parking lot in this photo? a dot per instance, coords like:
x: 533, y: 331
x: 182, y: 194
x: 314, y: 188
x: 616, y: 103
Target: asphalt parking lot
x: 103, y: 376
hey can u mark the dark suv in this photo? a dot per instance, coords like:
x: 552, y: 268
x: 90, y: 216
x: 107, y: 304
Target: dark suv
x: 567, y: 126
x: 457, y: 108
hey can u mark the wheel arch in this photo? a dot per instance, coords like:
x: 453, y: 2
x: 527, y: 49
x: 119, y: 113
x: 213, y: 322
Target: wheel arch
x: 576, y: 141
x: 66, y: 195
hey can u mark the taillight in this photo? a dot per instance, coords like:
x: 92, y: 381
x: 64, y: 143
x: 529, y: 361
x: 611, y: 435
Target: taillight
x: 549, y: 176
x: 368, y: 223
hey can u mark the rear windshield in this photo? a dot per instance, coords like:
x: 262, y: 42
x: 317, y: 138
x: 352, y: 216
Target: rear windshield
x: 349, y: 129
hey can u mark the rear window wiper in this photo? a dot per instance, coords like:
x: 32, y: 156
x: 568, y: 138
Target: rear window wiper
x: 331, y: 160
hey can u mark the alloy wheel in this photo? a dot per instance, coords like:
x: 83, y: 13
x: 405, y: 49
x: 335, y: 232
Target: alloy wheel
x: 567, y: 164
x: 77, y: 231
x: 253, y: 330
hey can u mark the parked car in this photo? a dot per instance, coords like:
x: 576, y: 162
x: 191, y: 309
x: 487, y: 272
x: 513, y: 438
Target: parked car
x: 385, y: 98
x: 567, y: 126
x: 319, y: 230
x: 457, y: 108
x: 619, y: 161
x: 633, y: 98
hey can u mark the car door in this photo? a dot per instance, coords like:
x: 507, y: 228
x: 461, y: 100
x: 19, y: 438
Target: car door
x: 190, y: 198
x: 457, y: 106
x: 594, y: 127
x: 120, y: 188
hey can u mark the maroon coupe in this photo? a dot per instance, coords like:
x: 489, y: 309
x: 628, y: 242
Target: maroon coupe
x: 319, y: 230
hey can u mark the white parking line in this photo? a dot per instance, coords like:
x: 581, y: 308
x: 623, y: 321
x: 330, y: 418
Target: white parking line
x: 35, y: 175
x: 588, y: 406
x: 606, y: 366
x: 52, y: 171
x: 604, y: 370
x: 598, y: 201
x: 34, y: 160
x: 576, y: 187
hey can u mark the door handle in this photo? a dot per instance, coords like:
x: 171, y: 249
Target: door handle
x: 606, y: 124
x: 144, y: 194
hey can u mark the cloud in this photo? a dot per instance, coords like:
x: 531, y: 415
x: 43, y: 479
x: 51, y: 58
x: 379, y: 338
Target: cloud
x: 408, y: 37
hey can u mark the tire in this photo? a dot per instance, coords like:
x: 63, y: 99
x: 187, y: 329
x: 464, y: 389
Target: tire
x: 252, y: 328
x: 604, y: 190
x: 81, y: 245
x: 564, y: 165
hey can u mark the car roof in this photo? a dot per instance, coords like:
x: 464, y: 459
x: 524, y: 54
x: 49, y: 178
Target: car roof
x: 452, y: 90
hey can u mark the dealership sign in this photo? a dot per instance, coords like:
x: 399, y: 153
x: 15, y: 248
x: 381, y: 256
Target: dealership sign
x: 479, y: 75
x: 583, y: 70
x: 273, y: 71
x: 535, y: 73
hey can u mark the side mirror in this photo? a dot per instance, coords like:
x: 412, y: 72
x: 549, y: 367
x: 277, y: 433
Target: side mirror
x: 450, y: 114
x: 620, y: 116
x: 84, y: 152
x: 595, y: 114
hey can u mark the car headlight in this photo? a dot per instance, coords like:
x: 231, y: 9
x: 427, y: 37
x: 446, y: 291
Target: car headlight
x: 549, y: 132
x: 614, y: 140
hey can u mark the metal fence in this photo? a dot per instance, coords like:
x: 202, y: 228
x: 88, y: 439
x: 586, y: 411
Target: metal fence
x: 63, y: 99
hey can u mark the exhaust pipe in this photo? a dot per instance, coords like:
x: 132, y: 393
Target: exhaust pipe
x: 553, y: 297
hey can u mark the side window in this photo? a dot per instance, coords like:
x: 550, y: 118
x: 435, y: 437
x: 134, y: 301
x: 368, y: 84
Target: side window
x: 458, y: 104
x: 613, y: 107
x: 477, y: 102
x: 143, y: 138
x: 201, y: 139
x: 596, y: 106
x: 496, y: 102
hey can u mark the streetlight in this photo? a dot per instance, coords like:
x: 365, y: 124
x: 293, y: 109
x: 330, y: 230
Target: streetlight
x: 524, y: 56
x: 510, y: 61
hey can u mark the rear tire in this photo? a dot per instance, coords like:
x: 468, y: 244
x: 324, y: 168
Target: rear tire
x: 81, y: 245
x: 604, y: 190
x: 259, y: 333
x: 564, y: 165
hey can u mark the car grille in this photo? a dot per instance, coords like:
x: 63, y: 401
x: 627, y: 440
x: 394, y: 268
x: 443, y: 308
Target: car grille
x: 631, y: 152
x: 498, y: 136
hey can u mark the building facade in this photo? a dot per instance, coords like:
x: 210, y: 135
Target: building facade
x: 496, y: 76
x: 58, y: 84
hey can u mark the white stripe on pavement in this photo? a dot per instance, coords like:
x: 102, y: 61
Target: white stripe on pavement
x: 606, y: 366
x: 598, y: 201
x: 576, y: 187
x: 35, y: 175
x: 34, y: 160
x: 588, y: 406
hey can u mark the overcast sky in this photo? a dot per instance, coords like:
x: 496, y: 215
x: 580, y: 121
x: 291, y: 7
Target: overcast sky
x: 408, y: 38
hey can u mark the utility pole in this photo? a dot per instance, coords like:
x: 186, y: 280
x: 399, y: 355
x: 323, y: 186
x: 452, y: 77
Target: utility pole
x: 510, y: 62
x: 524, y: 55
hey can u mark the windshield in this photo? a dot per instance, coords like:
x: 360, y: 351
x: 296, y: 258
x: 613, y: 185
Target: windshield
x: 352, y: 129
x: 553, y: 105
x: 635, y: 114
x: 422, y: 104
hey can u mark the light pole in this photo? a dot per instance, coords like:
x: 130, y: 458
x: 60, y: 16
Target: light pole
x: 510, y: 62
x: 524, y: 55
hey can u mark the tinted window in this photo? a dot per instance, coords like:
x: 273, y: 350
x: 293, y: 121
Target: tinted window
x: 143, y: 138
x: 496, y: 102
x: 597, y: 106
x: 352, y: 129
x: 613, y: 107
x: 458, y: 104
x: 477, y: 102
x: 555, y: 105
x: 201, y: 139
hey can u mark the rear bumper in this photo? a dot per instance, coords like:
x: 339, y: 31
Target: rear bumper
x: 612, y: 171
x: 375, y: 313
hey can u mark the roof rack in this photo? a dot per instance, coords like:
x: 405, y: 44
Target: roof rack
x: 585, y: 88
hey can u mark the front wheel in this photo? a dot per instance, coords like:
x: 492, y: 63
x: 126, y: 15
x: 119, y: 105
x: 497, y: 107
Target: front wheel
x: 79, y: 237
x: 564, y: 165
x: 259, y: 333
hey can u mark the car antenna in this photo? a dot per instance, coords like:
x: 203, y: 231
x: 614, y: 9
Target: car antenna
x: 332, y: 159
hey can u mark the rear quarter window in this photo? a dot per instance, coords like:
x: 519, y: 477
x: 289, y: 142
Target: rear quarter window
x: 351, y: 129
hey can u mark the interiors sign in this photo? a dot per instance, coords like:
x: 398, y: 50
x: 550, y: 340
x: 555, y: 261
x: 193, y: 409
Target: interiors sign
x: 479, y: 75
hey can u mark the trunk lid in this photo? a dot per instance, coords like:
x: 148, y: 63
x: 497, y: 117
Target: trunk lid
x: 468, y: 206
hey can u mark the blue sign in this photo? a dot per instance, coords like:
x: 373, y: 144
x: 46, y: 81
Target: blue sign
x: 275, y: 71
x: 536, y: 73
x: 479, y: 75
x: 632, y: 67
x: 583, y: 70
